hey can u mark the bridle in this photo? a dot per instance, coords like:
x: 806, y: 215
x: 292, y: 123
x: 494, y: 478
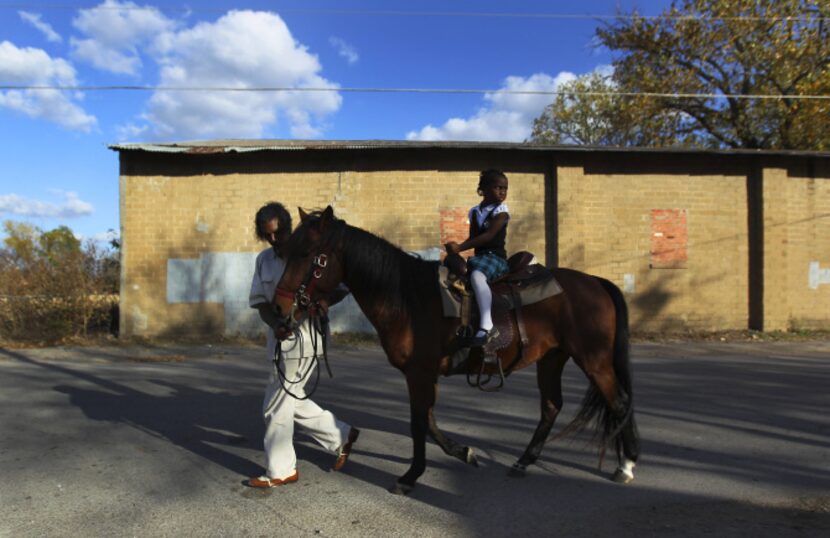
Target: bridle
x: 302, y: 300
x: 301, y: 297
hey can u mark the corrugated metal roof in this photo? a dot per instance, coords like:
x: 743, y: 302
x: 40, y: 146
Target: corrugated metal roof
x: 244, y: 146
x: 209, y: 146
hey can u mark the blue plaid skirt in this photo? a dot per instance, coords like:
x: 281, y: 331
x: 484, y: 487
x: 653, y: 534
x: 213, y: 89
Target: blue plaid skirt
x: 491, y: 265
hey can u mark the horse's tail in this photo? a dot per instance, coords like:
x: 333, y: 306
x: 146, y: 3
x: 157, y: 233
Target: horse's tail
x: 611, y: 422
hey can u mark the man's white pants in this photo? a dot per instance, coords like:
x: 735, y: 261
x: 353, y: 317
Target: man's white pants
x: 281, y: 410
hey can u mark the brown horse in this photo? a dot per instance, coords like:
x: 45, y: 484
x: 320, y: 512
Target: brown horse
x: 399, y: 295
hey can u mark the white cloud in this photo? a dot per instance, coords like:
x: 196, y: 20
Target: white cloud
x: 105, y: 237
x: 44, y: 28
x: 72, y: 206
x: 30, y: 66
x: 115, y: 33
x: 131, y: 131
x: 505, y: 117
x: 344, y: 49
x: 242, y: 49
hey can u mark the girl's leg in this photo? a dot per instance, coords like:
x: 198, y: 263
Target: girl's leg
x: 484, y: 299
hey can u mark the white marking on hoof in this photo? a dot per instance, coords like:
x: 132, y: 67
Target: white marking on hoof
x: 471, y: 457
x: 625, y: 472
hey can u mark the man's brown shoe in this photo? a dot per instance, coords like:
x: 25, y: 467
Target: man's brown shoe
x: 345, y: 450
x: 265, y: 482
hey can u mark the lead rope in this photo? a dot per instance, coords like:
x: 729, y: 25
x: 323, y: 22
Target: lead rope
x: 317, y: 329
x: 321, y: 330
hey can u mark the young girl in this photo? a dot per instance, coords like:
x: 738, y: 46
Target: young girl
x: 488, y: 231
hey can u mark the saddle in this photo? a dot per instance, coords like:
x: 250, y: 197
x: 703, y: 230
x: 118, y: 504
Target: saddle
x: 524, y: 283
x: 532, y: 282
x: 517, y: 265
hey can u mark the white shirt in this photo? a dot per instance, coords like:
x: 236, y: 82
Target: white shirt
x: 480, y: 214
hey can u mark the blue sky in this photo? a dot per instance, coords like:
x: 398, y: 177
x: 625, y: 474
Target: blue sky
x: 55, y: 168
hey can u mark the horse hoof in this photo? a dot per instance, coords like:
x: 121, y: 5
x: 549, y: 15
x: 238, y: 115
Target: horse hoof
x: 517, y: 471
x: 400, y: 489
x: 471, y: 457
x: 622, y: 477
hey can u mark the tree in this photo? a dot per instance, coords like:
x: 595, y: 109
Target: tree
x: 723, y: 51
x: 588, y: 111
x: 20, y: 241
x: 735, y: 48
x: 60, y: 246
x: 53, y: 287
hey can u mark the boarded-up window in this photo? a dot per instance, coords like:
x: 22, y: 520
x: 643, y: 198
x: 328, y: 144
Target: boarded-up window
x: 669, y: 239
x: 454, y: 225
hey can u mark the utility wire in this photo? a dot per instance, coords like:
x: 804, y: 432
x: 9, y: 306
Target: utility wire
x: 396, y: 13
x: 275, y: 89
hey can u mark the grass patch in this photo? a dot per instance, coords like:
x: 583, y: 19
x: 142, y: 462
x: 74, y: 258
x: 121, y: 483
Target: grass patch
x: 355, y: 339
x: 158, y: 358
x: 800, y: 335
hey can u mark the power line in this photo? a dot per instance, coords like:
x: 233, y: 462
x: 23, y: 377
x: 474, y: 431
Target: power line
x: 279, y: 89
x: 456, y: 14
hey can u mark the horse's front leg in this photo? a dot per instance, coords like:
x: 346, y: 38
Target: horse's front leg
x: 421, y: 400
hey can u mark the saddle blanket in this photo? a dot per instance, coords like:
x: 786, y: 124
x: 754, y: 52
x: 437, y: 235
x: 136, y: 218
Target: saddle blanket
x: 527, y: 294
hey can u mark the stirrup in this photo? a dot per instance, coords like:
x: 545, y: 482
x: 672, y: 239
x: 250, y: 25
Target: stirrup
x: 482, y: 380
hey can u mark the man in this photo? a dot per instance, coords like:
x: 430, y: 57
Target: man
x: 281, y: 409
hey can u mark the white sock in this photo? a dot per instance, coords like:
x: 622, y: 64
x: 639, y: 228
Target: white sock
x: 483, y: 297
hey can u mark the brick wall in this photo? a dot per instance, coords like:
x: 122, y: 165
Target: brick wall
x: 188, y: 241
x: 797, y: 248
x: 186, y: 217
x: 606, y: 228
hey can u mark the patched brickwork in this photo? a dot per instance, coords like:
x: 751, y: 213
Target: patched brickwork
x: 669, y: 239
x: 455, y: 225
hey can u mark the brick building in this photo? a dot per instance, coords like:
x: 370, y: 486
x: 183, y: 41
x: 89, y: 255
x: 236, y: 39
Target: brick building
x: 708, y: 240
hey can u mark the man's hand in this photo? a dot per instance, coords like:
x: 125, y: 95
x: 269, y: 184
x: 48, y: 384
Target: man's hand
x: 323, y: 307
x: 452, y: 247
x: 268, y: 314
x: 281, y: 331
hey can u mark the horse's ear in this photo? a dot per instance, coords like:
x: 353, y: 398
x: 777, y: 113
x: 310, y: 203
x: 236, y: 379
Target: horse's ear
x: 326, y: 217
x: 303, y: 214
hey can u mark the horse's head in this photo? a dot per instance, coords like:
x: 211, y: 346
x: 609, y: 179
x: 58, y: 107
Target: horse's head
x: 312, y: 264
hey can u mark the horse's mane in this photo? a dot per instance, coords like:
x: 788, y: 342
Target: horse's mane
x: 374, y: 267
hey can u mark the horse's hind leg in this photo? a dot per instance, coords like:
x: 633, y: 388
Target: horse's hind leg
x: 449, y: 446
x: 625, y: 435
x: 549, y: 380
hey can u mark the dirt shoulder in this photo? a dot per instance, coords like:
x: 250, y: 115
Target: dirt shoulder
x: 732, y: 336
x: 360, y: 340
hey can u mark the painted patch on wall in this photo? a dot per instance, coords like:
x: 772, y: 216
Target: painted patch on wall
x: 816, y: 275
x: 454, y: 225
x: 669, y: 239
x: 225, y: 277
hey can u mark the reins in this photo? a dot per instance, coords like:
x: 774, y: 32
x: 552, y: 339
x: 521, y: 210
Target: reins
x: 318, y: 326
x: 302, y: 296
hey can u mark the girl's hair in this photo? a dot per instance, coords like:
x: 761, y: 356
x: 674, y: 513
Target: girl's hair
x: 490, y: 176
x: 267, y: 213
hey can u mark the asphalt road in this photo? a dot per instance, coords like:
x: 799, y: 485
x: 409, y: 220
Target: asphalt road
x: 157, y: 441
